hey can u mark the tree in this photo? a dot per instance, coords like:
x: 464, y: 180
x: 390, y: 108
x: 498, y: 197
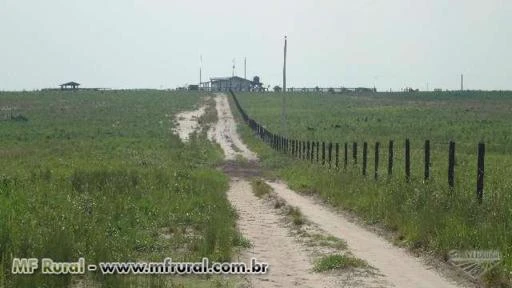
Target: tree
x: 256, y: 85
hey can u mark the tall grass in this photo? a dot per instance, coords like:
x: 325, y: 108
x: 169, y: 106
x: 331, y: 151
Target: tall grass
x: 100, y: 176
x: 424, y: 215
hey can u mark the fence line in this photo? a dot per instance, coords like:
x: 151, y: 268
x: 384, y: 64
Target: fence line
x: 305, y: 150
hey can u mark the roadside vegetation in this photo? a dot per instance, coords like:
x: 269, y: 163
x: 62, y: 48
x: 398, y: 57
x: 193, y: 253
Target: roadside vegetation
x: 265, y: 191
x: 260, y: 188
x: 99, y: 175
x: 424, y: 216
x: 338, y: 261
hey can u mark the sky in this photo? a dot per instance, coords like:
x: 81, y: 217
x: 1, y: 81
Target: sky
x: 389, y: 44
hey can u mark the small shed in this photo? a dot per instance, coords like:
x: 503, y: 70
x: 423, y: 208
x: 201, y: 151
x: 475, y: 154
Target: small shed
x: 69, y: 86
x: 193, y: 87
x: 235, y: 83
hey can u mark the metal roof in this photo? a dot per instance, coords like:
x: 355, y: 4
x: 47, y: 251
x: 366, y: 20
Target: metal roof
x: 70, y: 84
x: 228, y: 78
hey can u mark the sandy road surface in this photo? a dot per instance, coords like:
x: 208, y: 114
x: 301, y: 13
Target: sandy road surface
x: 399, y: 267
x: 224, y: 132
x: 290, y: 266
x: 187, y: 122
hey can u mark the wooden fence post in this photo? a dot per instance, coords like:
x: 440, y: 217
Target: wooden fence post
x: 365, y: 157
x: 407, y: 160
x: 293, y: 148
x: 451, y: 165
x: 480, y: 173
x: 317, y: 149
x: 377, y: 146
x: 300, y: 149
x: 323, y: 153
x: 308, y: 152
x: 305, y: 154
x: 427, y: 159
x: 354, y: 152
x: 337, y: 155
x: 345, y: 159
x: 312, y: 155
x: 303, y: 150
x: 330, y: 154
x: 312, y: 151
x: 390, y: 158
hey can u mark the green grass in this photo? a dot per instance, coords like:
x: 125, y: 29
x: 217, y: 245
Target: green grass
x: 296, y: 216
x: 99, y: 175
x: 327, y: 241
x: 260, y: 188
x: 466, y: 117
x: 338, y: 261
x: 425, y: 215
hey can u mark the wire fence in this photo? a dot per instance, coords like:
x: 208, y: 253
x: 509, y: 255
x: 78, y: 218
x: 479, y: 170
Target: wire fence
x: 329, y: 154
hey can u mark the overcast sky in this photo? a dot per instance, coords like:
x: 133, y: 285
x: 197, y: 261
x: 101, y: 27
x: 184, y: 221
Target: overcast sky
x: 158, y: 43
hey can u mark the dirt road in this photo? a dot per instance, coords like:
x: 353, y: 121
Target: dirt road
x: 399, y: 267
x: 224, y: 132
x: 187, y: 122
x: 290, y: 265
x: 271, y: 242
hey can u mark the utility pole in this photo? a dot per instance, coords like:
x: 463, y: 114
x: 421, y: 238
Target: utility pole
x: 461, y: 82
x: 283, y: 112
x: 233, y: 67
x: 284, y: 66
x: 200, y: 70
x: 245, y: 68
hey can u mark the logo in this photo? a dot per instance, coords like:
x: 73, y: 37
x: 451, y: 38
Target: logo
x: 475, y: 263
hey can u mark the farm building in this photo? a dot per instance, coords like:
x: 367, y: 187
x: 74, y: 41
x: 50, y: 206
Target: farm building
x: 234, y: 83
x: 193, y: 87
x: 69, y: 86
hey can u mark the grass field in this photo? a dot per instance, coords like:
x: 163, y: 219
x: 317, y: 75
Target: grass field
x: 424, y: 215
x: 99, y: 175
